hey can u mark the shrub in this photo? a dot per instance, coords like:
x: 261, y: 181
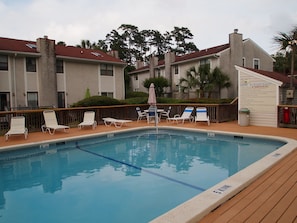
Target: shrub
x: 136, y: 100
x: 135, y: 94
x: 96, y: 101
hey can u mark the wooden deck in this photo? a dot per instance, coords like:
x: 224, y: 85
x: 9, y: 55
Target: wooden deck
x: 270, y: 198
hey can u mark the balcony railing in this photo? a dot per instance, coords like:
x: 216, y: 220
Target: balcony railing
x: 73, y: 116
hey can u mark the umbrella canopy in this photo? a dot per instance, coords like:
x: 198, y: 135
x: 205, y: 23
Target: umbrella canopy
x: 152, y: 95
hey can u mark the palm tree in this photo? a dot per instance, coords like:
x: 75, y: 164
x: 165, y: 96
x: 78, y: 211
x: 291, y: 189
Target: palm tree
x: 219, y: 80
x: 190, y: 81
x: 288, y: 40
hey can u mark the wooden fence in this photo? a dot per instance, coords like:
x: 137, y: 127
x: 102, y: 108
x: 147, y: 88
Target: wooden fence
x: 73, y: 116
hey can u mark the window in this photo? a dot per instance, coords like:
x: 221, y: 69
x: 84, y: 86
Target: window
x: 205, y: 63
x: 176, y: 69
x: 107, y: 94
x: 106, y: 69
x: 32, y: 98
x: 158, y: 71
x: 243, y: 61
x: 256, y: 64
x: 136, y: 77
x: 59, y: 66
x: 61, y: 99
x: 30, y: 64
x: 3, y: 62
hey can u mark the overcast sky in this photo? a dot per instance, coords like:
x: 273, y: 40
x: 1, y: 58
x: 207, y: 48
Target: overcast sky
x: 209, y: 21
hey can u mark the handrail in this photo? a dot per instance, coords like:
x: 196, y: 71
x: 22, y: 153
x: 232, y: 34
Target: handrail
x: 73, y: 116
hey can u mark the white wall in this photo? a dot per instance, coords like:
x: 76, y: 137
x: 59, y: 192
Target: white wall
x: 260, y: 94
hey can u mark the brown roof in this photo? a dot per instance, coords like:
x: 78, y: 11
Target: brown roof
x: 7, y: 44
x: 203, y: 53
x: 194, y: 55
x: 14, y: 45
x: 274, y: 75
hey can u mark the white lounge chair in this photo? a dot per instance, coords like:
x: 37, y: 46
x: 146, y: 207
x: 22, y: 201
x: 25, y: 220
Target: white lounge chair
x: 17, y: 127
x: 141, y: 114
x: 89, y: 120
x: 118, y: 123
x: 201, y: 115
x: 51, y: 124
x: 186, y: 115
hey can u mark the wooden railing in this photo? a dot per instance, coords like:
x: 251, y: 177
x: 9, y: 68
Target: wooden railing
x: 73, y: 116
x: 287, y: 116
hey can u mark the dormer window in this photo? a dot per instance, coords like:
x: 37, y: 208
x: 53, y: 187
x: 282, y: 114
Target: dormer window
x: 31, y: 45
x: 96, y: 54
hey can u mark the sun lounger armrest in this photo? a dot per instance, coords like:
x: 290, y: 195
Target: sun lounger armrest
x: 176, y: 116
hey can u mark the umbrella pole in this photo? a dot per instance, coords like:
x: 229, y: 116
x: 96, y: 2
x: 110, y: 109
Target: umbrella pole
x: 156, y: 119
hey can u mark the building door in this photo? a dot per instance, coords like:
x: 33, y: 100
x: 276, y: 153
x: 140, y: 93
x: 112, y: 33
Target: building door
x: 61, y: 99
x: 4, y: 101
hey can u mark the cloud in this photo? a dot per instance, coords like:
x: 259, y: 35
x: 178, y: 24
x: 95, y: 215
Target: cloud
x: 210, y: 22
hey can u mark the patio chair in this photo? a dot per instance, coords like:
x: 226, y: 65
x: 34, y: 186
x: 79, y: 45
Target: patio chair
x: 51, y: 123
x: 201, y: 115
x: 89, y: 120
x: 186, y: 115
x: 17, y: 127
x: 141, y: 114
x: 152, y: 114
x: 118, y: 123
x: 166, y: 114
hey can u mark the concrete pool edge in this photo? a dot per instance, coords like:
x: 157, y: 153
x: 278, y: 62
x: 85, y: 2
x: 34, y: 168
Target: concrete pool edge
x: 197, y: 207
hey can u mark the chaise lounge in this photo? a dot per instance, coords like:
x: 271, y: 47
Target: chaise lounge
x: 118, y: 123
x: 17, y: 127
x: 186, y: 115
x: 89, y: 120
x: 51, y: 123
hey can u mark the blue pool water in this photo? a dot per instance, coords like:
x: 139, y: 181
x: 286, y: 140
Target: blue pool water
x: 124, y: 177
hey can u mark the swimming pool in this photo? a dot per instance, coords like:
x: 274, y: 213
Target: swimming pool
x: 131, y: 176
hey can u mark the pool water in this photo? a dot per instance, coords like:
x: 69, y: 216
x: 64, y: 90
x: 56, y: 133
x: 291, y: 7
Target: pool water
x: 125, y: 177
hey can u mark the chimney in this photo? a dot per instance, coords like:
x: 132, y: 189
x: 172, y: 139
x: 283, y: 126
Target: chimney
x: 47, y: 72
x: 139, y: 64
x: 113, y: 53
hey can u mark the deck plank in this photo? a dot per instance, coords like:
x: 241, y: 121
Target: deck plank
x: 268, y: 198
x: 290, y: 214
x: 278, y: 203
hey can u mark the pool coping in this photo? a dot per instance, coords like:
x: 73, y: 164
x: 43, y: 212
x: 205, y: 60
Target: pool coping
x: 197, y: 207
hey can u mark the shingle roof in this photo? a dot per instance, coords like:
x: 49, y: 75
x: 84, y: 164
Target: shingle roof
x: 203, y: 53
x: 90, y: 54
x: 274, y: 75
x: 7, y: 44
x: 14, y: 45
x: 190, y: 56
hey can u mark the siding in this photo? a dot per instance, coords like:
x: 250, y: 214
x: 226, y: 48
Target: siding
x: 260, y: 95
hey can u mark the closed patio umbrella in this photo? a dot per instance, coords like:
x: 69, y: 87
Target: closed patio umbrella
x: 152, y: 101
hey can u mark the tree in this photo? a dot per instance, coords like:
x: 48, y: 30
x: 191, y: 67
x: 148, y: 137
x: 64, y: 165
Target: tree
x: 281, y: 63
x: 88, y: 93
x: 180, y: 35
x: 190, y: 82
x: 204, y: 80
x: 159, y: 82
x: 285, y: 41
x: 219, y: 80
